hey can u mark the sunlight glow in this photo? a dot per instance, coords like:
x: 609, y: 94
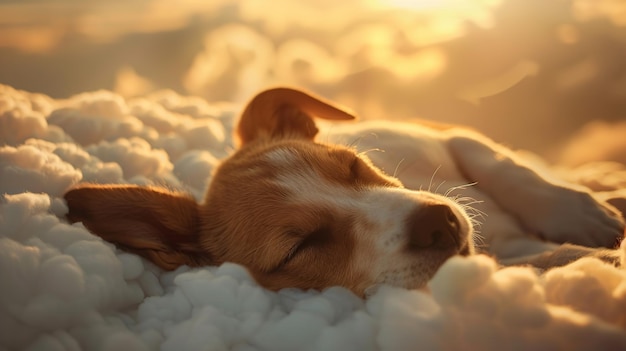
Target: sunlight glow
x: 418, y: 5
x: 449, y: 5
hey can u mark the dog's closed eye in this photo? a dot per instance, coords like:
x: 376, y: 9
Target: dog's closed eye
x: 314, y: 240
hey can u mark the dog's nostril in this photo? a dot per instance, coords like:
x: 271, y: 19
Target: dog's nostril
x: 453, y: 221
x: 433, y: 226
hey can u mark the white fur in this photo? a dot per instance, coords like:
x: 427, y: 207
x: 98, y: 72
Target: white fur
x: 380, y: 229
x: 522, y: 206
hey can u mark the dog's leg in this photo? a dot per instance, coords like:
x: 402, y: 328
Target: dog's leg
x: 557, y: 212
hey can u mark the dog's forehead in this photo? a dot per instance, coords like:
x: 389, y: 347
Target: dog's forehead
x: 295, y: 169
x: 307, y: 161
x: 256, y: 172
x: 290, y: 154
x: 291, y: 157
x: 284, y: 156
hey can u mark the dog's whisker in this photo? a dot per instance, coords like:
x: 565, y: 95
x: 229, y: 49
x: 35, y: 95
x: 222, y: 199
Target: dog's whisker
x: 365, y: 152
x: 395, y: 171
x: 473, y: 210
x: 475, y: 215
x: 469, y: 202
x: 479, y: 240
x: 465, y: 200
x: 459, y: 187
x: 475, y: 221
x: 432, y: 177
x: 439, y: 186
x: 477, y: 227
x: 398, y: 172
x: 454, y: 198
x: 354, y: 143
x: 478, y: 218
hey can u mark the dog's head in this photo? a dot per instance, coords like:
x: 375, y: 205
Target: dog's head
x: 295, y: 212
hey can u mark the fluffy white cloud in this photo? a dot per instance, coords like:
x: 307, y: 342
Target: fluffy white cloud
x: 90, y: 124
x: 65, y: 289
x: 58, y: 277
x: 28, y: 168
x: 194, y: 168
x: 134, y: 156
x: 23, y: 115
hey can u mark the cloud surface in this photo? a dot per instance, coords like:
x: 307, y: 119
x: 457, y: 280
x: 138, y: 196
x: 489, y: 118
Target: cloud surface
x: 65, y: 289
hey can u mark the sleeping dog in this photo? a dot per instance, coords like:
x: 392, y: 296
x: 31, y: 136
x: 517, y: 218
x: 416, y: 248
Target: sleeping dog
x: 372, y: 203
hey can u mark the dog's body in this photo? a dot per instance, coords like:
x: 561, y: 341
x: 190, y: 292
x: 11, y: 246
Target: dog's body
x: 523, y: 216
x: 299, y: 213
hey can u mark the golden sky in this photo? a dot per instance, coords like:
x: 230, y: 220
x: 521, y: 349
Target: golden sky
x: 512, y: 67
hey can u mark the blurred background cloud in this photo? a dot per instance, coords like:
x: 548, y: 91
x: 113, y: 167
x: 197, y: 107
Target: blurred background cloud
x: 530, y: 73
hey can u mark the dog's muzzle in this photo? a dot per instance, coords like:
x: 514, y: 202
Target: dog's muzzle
x: 434, y: 226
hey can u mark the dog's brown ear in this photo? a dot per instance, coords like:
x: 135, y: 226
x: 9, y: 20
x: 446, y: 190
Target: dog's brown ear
x: 157, y: 224
x: 285, y: 112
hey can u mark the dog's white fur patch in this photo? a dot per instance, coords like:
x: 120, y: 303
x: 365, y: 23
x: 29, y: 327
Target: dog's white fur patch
x: 380, y: 223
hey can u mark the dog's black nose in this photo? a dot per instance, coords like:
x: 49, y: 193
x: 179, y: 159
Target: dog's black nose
x: 433, y: 227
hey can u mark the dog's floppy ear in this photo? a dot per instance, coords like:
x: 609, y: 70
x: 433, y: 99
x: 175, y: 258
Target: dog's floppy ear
x: 285, y: 112
x: 155, y: 223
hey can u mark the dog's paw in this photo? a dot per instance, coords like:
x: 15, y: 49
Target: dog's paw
x: 564, y: 215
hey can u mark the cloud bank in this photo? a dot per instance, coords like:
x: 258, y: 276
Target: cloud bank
x: 510, y: 68
x: 65, y: 289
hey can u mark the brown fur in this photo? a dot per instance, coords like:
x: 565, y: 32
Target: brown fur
x: 303, y: 214
x: 171, y: 229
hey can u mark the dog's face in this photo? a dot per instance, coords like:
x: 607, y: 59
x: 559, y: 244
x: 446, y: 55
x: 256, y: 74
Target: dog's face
x: 309, y: 215
x: 295, y: 212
